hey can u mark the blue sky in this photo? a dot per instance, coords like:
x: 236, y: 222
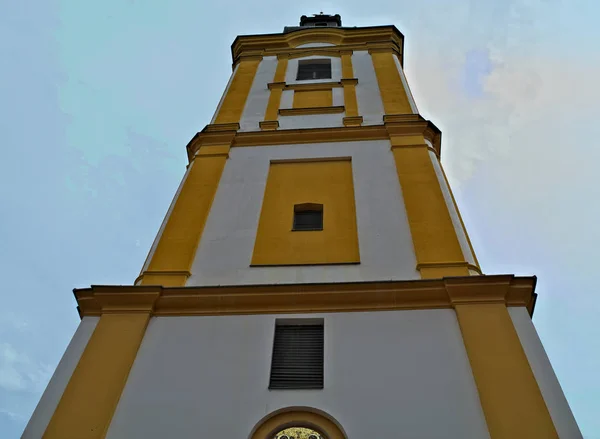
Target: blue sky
x: 98, y: 100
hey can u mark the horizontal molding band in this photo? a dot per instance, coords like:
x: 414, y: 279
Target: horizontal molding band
x: 397, y: 126
x: 308, y: 298
x: 342, y: 39
x: 311, y: 110
x: 308, y: 86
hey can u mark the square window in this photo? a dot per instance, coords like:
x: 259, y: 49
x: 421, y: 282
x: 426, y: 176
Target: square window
x: 308, y: 217
x: 314, y: 69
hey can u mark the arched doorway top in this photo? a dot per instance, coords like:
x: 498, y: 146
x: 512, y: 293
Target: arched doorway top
x: 309, y: 417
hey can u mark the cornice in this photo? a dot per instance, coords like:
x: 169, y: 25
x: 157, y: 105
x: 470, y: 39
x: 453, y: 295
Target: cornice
x: 394, y: 125
x: 308, y: 298
x: 344, y: 39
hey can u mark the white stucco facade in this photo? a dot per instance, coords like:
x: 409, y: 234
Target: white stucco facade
x: 557, y: 404
x: 385, y: 243
x: 411, y: 377
x: 370, y: 104
x: 50, y: 398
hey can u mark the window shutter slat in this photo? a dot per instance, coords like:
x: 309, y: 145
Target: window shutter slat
x: 297, y: 361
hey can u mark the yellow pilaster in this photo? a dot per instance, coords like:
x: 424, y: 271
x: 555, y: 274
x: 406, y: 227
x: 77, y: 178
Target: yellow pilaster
x: 510, y: 397
x: 91, y: 396
x: 235, y: 97
x: 393, y: 94
x: 349, y: 83
x: 435, y: 242
x: 276, y: 88
x: 171, y: 262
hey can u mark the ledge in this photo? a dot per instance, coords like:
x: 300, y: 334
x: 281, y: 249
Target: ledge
x: 268, y: 125
x: 305, y: 86
x: 395, y: 125
x: 311, y: 110
x: 352, y: 121
x: 308, y: 298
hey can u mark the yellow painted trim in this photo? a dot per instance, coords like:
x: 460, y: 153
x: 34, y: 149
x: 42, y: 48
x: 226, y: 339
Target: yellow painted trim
x: 510, y: 397
x: 352, y: 121
x: 306, y: 86
x: 307, y: 298
x: 268, y: 124
x: 312, y: 110
x: 312, y: 99
x: 235, y: 99
x: 172, y: 261
x: 271, y: 112
x: 434, y: 238
x: 391, y: 88
x: 349, y: 83
x: 276, y: 90
x: 313, y: 160
x: 91, y: 396
x: 325, y: 182
x: 273, y: 423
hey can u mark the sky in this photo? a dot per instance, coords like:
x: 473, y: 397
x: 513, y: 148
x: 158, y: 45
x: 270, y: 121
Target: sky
x: 99, y: 99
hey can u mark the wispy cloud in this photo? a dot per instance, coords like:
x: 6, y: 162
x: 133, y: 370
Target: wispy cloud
x: 19, y: 373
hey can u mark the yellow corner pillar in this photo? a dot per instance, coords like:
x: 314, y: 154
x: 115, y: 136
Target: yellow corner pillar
x: 235, y: 97
x: 172, y: 260
x: 436, y: 245
x: 276, y: 88
x: 349, y: 83
x: 393, y: 94
x: 91, y: 396
x: 510, y: 397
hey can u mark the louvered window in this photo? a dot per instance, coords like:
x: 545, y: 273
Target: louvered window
x: 297, y: 361
x: 314, y: 69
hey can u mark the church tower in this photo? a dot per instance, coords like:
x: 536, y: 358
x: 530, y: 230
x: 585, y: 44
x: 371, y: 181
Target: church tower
x: 312, y: 277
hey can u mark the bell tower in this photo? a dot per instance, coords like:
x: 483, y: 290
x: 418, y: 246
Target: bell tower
x: 312, y: 277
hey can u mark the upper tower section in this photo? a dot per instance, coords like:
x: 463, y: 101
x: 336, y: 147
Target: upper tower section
x: 316, y: 75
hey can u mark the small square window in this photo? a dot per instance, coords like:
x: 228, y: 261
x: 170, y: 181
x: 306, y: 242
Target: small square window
x: 314, y: 69
x: 308, y: 217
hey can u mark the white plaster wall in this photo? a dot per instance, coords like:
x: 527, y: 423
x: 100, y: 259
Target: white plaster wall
x: 385, y: 243
x: 258, y: 97
x: 399, y: 374
x: 311, y: 121
x: 47, y: 405
x: 557, y: 404
x: 370, y: 105
x: 287, y: 99
x: 460, y: 231
x: 224, y: 94
x: 411, y: 100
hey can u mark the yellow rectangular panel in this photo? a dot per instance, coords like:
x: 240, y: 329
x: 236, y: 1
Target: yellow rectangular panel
x: 313, y: 98
x: 292, y: 183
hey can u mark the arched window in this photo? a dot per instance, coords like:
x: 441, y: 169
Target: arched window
x: 298, y: 433
x: 298, y: 423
